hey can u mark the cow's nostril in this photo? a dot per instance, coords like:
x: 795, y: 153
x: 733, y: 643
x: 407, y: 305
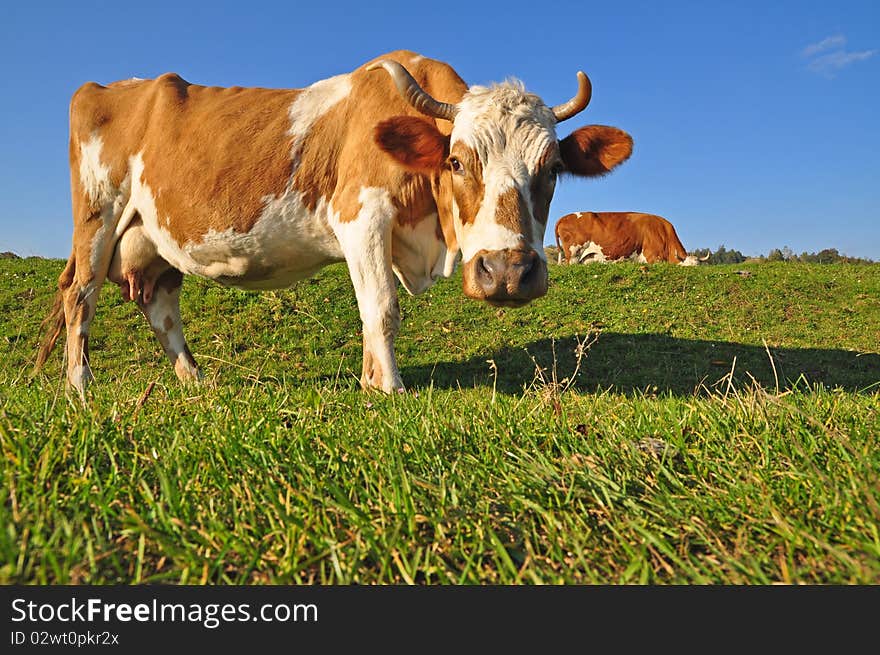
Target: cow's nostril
x: 528, y: 270
x: 485, y: 270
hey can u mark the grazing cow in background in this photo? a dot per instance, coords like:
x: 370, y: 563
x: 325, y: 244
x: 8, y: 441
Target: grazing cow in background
x: 397, y: 168
x: 617, y: 236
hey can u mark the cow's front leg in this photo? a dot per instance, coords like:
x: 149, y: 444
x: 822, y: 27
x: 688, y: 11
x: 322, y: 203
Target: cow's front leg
x: 376, y: 293
x: 366, y: 243
x: 380, y: 365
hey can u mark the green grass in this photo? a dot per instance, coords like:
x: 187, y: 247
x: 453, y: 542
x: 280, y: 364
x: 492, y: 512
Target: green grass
x: 712, y: 428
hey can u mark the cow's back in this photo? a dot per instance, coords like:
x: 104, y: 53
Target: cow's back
x: 209, y: 154
x: 211, y: 169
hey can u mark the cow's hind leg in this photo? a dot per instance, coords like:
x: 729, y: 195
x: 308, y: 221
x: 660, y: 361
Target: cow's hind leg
x: 93, y: 246
x: 160, y: 303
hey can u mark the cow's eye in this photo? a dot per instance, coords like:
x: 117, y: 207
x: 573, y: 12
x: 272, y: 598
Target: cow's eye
x: 456, y: 166
x: 555, y: 170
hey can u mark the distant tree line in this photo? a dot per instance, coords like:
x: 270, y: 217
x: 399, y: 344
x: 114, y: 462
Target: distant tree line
x: 722, y: 255
x: 826, y: 256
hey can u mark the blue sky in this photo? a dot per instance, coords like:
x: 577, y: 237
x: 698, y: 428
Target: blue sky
x: 755, y: 123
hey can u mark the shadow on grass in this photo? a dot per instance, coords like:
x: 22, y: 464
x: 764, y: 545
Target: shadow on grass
x: 639, y: 362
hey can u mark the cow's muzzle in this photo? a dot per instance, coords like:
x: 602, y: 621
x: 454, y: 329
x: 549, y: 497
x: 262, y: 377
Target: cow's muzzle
x: 508, y: 278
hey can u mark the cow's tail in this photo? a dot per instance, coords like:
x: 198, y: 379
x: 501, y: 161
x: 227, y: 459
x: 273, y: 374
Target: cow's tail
x: 53, y: 325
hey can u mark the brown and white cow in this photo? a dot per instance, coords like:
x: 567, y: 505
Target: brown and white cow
x: 616, y: 236
x: 397, y: 168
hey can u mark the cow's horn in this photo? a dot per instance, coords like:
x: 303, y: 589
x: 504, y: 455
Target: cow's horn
x: 706, y: 258
x: 578, y: 103
x: 413, y: 93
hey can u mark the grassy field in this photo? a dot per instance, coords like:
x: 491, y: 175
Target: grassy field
x: 638, y: 425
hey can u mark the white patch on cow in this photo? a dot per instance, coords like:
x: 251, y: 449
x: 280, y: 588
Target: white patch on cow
x: 418, y: 257
x: 368, y: 256
x: 493, y: 118
x: 450, y: 261
x: 163, y: 313
x: 94, y: 175
x: 106, y: 236
x: 216, y: 254
x: 80, y: 376
x: 485, y: 234
x: 690, y: 260
x: 638, y: 257
x: 587, y: 252
x: 366, y: 242
x: 287, y: 243
x: 315, y: 101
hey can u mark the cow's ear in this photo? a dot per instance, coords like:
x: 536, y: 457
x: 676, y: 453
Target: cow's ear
x: 413, y: 142
x: 595, y: 150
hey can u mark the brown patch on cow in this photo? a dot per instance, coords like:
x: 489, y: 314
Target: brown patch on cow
x: 211, y: 155
x: 595, y: 150
x: 414, y: 200
x: 468, y: 189
x: 86, y: 223
x: 511, y: 212
x: 346, y: 201
x: 413, y: 142
x: 168, y: 323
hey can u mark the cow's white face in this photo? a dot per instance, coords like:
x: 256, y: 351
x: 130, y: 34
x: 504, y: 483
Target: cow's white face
x: 502, y: 167
x: 494, y: 177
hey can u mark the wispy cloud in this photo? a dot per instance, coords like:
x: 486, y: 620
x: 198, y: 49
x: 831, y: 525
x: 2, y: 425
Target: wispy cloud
x: 831, y: 63
x: 827, y: 63
x: 836, y: 41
